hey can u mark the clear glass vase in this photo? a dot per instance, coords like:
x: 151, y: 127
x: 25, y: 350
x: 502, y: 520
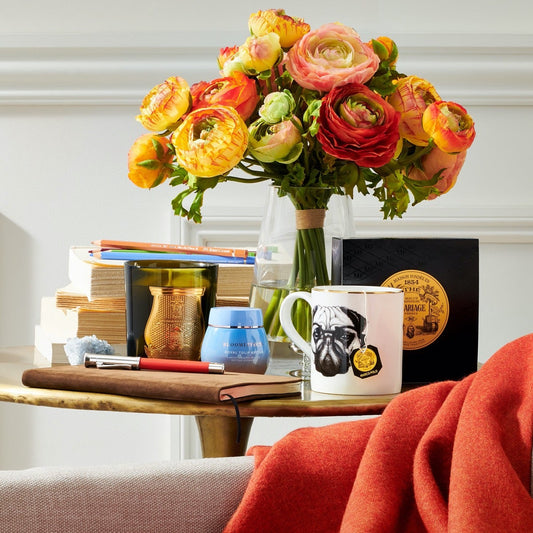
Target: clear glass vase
x: 294, y: 253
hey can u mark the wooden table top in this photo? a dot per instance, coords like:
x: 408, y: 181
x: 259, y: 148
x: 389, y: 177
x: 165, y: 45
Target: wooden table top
x: 14, y: 360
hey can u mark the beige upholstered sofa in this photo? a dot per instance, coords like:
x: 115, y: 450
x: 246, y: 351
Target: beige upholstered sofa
x: 192, y: 496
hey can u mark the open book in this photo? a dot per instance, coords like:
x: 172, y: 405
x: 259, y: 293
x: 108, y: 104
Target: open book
x: 183, y: 386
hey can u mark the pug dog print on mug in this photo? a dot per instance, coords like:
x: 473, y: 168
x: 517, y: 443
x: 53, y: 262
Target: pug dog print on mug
x: 356, y: 338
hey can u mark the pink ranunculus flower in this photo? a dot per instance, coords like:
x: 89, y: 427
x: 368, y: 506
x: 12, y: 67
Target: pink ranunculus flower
x: 449, y: 164
x: 330, y: 56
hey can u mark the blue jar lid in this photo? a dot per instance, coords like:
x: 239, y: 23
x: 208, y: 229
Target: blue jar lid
x: 236, y: 317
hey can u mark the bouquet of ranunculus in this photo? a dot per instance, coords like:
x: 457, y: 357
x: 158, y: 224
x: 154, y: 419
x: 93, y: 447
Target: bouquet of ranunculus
x: 303, y: 109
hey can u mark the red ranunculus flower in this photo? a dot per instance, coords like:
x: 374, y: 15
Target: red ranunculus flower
x: 357, y: 125
x: 237, y: 91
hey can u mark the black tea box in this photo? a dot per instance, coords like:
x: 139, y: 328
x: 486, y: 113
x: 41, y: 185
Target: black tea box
x: 440, y: 280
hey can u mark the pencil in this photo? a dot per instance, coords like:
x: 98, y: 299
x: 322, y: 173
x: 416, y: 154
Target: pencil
x: 137, y: 255
x: 177, y: 248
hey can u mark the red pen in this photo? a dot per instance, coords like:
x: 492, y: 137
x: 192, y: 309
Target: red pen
x: 151, y: 363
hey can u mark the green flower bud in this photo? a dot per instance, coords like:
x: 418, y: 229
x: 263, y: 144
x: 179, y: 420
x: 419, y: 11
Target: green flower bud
x: 277, y: 107
x: 280, y: 143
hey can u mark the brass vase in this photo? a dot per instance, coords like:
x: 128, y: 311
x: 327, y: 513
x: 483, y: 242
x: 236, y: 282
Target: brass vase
x: 176, y: 326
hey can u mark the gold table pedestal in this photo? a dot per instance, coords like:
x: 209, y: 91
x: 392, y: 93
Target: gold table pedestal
x: 223, y: 436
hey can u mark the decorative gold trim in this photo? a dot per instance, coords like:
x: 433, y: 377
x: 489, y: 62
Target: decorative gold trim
x: 356, y: 289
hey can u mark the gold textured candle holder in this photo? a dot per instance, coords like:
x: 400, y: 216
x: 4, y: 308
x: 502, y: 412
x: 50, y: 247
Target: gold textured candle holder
x: 187, y: 292
x: 176, y: 324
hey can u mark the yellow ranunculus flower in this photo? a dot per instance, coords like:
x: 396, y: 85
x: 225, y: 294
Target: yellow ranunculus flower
x: 258, y: 54
x: 289, y: 29
x: 411, y: 98
x: 165, y: 104
x: 210, y: 141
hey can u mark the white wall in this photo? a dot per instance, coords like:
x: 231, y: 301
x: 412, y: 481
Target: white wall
x: 72, y: 75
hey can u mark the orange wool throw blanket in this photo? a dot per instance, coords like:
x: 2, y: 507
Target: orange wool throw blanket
x: 450, y: 456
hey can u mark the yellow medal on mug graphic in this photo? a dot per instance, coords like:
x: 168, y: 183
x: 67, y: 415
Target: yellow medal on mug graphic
x: 426, y: 307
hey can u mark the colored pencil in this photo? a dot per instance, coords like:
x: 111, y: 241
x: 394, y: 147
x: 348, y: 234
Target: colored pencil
x: 139, y: 255
x: 175, y: 248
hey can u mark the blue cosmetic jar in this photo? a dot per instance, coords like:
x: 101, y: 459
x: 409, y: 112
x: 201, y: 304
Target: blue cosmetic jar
x: 236, y: 337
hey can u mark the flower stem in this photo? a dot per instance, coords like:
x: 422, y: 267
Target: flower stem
x: 309, y: 268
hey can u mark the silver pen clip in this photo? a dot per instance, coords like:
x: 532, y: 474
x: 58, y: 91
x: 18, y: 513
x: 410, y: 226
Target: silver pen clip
x: 112, y: 366
x: 111, y: 362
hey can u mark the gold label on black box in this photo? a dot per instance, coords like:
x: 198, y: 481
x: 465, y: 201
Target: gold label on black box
x: 426, y: 307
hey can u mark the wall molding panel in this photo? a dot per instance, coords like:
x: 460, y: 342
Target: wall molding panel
x: 490, y: 225
x: 76, y: 71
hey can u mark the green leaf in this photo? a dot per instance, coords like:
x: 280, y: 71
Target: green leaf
x: 421, y: 189
x: 160, y: 178
x: 150, y: 164
x: 171, y: 148
x: 380, y: 49
x: 202, y: 184
x: 196, y: 206
x: 159, y: 150
x: 177, y: 203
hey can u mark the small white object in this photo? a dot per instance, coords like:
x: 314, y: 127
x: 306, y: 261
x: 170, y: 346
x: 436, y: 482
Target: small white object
x: 76, y: 348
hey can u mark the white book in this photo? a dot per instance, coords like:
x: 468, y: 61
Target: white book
x: 51, y: 348
x: 96, y: 278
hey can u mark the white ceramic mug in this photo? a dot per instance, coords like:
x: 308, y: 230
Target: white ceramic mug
x: 356, y: 338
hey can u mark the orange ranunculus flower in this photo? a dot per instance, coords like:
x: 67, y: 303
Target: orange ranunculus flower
x: 450, y: 126
x: 411, y: 98
x: 435, y: 161
x: 238, y: 91
x: 165, y: 104
x: 385, y: 48
x: 289, y: 29
x: 225, y: 55
x: 210, y: 141
x: 148, y: 161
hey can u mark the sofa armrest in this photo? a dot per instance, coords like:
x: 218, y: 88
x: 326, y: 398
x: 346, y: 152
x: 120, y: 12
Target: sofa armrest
x: 187, y: 496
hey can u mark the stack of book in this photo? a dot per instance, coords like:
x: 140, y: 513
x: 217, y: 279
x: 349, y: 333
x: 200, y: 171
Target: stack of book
x: 93, y: 302
x: 234, y: 285
x: 235, y: 266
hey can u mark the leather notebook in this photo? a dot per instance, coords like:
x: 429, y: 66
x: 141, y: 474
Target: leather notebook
x: 183, y: 386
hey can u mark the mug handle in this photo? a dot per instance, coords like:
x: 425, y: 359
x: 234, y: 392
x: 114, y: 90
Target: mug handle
x: 286, y: 320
